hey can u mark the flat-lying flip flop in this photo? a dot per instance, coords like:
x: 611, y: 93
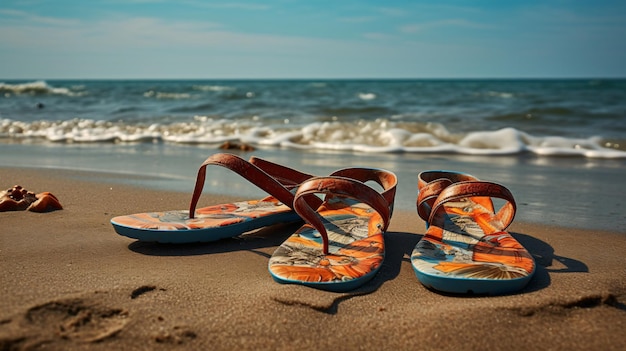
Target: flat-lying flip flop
x: 341, y: 245
x: 220, y: 221
x: 466, y: 248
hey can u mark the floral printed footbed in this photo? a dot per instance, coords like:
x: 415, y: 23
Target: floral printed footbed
x: 206, y: 217
x: 471, y: 248
x: 210, y: 223
x: 356, y: 247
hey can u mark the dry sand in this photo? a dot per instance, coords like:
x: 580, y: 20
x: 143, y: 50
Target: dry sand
x: 69, y: 282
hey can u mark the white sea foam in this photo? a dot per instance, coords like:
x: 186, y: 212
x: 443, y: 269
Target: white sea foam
x: 503, y: 141
x: 217, y: 88
x: 367, y: 96
x: 36, y: 87
x: 163, y: 95
x: 500, y: 94
x: 379, y: 136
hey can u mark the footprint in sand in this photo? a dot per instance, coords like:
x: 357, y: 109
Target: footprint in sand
x: 76, y: 320
x: 84, y: 320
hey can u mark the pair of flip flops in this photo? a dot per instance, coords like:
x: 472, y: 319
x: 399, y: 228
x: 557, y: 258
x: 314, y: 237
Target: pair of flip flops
x: 466, y: 248
x: 340, y: 246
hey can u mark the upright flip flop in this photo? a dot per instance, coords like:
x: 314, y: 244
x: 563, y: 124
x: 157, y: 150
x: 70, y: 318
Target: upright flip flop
x: 466, y: 248
x: 341, y: 245
x: 220, y: 221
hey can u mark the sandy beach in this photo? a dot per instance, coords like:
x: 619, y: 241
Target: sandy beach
x: 69, y: 282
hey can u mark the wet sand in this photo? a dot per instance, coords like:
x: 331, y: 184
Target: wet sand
x: 70, y: 282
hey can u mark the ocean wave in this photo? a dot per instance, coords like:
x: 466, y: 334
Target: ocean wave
x: 378, y: 136
x: 500, y: 94
x: 198, y: 108
x: 39, y: 87
x: 355, y: 111
x: 216, y: 88
x: 367, y: 96
x: 163, y: 95
x: 237, y: 95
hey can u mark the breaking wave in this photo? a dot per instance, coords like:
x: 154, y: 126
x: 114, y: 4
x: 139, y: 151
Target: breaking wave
x: 37, y: 88
x: 378, y: 136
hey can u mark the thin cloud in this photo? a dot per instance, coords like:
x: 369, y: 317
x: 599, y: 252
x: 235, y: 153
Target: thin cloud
x: 230, y: 5
x: 362, y: 19
x: 175, y: 37
x: 376, y: 36
x: 394, y: 12
x: 564, y: 17
x: 143, y: 1
x: 120, y: 33
x: 28, y: 17
x: 419, y: 27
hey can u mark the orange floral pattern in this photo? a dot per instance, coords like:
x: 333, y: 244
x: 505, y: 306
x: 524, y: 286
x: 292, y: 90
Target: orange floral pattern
x: 356, y: 246
x: 471, y: 245
x: 206, y: 217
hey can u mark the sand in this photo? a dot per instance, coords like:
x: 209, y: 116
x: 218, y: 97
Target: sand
x: 69, y: 282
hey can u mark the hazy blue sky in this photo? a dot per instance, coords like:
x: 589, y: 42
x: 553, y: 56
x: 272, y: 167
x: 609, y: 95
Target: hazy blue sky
x: 42, y: 39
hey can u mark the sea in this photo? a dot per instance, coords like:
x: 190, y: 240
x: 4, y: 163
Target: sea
x: 558, y: 144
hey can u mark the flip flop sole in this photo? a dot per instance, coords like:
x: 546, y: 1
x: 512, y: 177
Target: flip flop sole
x: 210, y: 224
x: 341, y: 286
x: 456, y: 285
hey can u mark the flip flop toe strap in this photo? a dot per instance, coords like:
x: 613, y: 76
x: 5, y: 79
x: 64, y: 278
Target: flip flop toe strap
x: 288, y: 177
x: 337, y: 186
x: 292, y: 178
x: 431, y: 183
x: 461, y: 190
x: 428, y: 194
x: 387, y: 180
x: 247, y: 170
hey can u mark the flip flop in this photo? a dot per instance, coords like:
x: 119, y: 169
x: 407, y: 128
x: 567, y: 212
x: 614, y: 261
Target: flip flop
x: 341, y: 246
x: 212, y: 223
x: 466, y: 248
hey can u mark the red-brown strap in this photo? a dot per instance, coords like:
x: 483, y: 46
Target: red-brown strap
x: 428, y: 194
x: 455, y: 177
x: 288, y: 177
x: 431, y: 183
x: 387, y: 180
x: 247, y: 170
x: 462, y: 190
x: 337, y: 186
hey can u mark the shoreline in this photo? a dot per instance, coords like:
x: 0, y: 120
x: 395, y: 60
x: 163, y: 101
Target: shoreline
x: 563, y: 192
x: 65, y: 266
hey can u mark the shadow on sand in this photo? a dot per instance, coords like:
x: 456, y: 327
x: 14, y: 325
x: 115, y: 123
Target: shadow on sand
x: 399, y: 246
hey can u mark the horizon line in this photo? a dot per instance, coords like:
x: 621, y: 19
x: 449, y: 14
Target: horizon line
x: 327, y: 78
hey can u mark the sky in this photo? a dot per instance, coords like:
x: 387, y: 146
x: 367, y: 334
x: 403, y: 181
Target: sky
x: 285, y: 39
